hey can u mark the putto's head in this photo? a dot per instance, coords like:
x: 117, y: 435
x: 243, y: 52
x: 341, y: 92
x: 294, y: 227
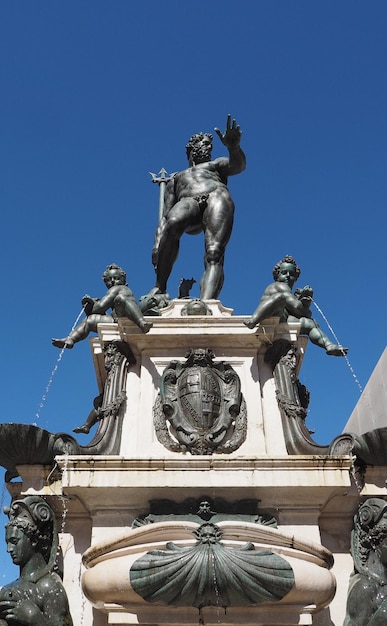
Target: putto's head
x: 286, y: 261
x: 199, y: 148
x: 114, y: 275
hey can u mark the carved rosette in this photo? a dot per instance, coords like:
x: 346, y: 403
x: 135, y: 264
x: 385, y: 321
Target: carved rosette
x: 200, y: 408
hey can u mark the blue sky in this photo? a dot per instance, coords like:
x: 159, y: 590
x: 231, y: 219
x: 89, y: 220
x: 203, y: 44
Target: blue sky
x: 97, y: 94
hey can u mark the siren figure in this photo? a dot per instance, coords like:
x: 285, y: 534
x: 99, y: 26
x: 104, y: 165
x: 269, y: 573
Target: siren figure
x: 37, y: 597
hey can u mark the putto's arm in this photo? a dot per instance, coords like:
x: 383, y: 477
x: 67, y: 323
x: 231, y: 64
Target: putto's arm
x: 87, y: 303
x: 231, y: 138
x: 105, y: 303
x: 305, y: 295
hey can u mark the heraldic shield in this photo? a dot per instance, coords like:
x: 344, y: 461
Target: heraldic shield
x: 200, y: 408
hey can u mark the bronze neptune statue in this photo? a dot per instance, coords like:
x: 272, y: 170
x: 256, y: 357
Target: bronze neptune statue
x: 37, y: 597
x: 118, y: 297
x: 279, y: 301
x: 197, y: 199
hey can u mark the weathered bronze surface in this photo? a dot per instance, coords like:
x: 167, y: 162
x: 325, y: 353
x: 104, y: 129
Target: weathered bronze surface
x: 292, y: 398
x: 197, y: 199
x: 107, y: 405
x: 26, y: 444
x: 367, y: 594
x: 37, y: 597
x: 370, y: 448
x: 119, y: 298
x: 204, y: 509
x: 203, y: 404
x: 185, y: 287
x: 196, y: 307
x: 153, y: 302
x: 279, y: 301
x: 211, y: 574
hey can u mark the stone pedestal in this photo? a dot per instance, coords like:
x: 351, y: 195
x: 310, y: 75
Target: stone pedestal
x: 307, y: 488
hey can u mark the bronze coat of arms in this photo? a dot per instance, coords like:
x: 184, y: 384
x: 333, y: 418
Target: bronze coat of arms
x: 200, y: 407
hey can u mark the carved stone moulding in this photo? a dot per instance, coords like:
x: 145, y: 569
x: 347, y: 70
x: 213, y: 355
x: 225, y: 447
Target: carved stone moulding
x: 234, y: 567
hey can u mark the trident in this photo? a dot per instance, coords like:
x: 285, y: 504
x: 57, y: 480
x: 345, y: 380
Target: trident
x: 161, y: 179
